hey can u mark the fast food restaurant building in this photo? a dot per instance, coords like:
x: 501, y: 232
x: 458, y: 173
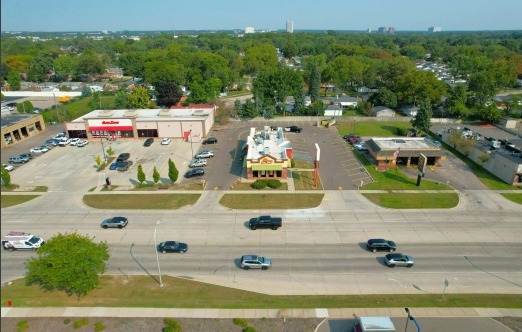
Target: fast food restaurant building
x: 177, y: 122
x: 268, y: 154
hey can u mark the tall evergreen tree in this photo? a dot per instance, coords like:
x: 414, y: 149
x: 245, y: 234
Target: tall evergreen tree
x: 314, y: 85
x: 173, y: 171
x: 141, y: 174
x: 422, y: 120
x: 155, y: 175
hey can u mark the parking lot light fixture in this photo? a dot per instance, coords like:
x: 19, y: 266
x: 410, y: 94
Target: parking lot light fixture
x: 191, y: 150
x: 157, y: 257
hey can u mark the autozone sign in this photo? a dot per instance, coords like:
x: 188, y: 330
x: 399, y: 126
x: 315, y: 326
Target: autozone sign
x: 119, y: 122
x: 111, y: 122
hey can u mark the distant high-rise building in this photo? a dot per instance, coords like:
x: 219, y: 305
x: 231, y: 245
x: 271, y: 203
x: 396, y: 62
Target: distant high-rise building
x: 369, y: 30
x: 434, y: 29
x: 290, y: 26
x: 381, y: 30
x: 391, y: 30
x: 250, y: 30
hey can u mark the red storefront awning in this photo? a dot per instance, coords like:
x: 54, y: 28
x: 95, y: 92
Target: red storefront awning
x: 110, y: 128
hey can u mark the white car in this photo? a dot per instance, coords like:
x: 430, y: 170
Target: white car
x: 8, y: 168
x: 205, y: 154
x: 166, y: 141
x: 64, y: 141
x: 361, y: 147
x: 198, y: 163
x: 74, y: 141
x: 83, y: 143
x: 39, y: 149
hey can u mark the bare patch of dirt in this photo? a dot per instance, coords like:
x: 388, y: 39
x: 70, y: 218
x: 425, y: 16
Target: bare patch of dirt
x: 59, y: 324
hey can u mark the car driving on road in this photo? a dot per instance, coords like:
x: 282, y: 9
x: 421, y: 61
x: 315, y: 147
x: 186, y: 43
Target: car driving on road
x: 393, y: 260
x: 115, y: 222
x: 375, y: 245
x: 255, y: 262
x: 172, y: 246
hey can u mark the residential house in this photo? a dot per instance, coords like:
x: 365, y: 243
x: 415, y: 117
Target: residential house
x: 333, y: 110
x: 382, y: 112
x: 410, y: 110
x: 344, y: 101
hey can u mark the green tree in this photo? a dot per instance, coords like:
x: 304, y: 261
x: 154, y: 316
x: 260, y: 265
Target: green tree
x: 454, y: 138
x: 490, y: 114
x: 13, y: 78
x: 314, y: 84
x: 68, y: 262
x: 155, y: 175
x: 65, y: 65
x: 132, y: 63
x: 86, y: 91
x: 198, y: 94
x: 414, y: 52
x: 465, y: 145
x: 95, y: 100
x: 98, y: 160
x: 259, y: 58
x: 141, y: 174
x: 483, y: 86
x: 169, y: 94
x: 422, y: 120
x: 6, y: 177
x: 25, y: 107
x: 39, y: 68
x: 385, y: 97
x: 173, y: 171
x: 90, y: 63
x: 121, y: 99
x: 139, y: 98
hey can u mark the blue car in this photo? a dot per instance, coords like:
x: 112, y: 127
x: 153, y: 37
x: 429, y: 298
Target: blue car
x: 114, y: 166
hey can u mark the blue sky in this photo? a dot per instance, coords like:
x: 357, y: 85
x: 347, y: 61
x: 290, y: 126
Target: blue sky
x: 117, y: 15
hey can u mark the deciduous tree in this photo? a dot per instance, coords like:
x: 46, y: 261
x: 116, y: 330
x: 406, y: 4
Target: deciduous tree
x: 139, y: 98
x: 169, y: 94
x: 68, y: 262
x: 13, y: 78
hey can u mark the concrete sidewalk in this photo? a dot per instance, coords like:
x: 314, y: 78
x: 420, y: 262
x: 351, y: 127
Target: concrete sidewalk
x: 332, y: 313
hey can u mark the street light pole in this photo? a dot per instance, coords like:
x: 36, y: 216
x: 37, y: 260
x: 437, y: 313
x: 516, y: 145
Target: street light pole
x: 103, y: 149
x: 157, y: 257
x: 191, y: 150
x: 410, y: 317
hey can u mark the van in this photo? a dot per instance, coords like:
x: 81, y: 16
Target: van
x: 375, y: 324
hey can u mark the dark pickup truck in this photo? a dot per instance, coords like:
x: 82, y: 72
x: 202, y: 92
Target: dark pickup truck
x: 265, y: 222
x: 293, y: 129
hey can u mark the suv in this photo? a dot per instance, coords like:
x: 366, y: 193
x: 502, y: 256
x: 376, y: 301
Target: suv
x: 115, y: 222
x: 198, y: 163
x: 255, y: 262
x: 123, y: 157
x: 375, y: 245
x: 18, y: 160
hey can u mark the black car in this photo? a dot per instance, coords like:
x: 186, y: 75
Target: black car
x: 173, y: 246
x: 124, y: 165
x: 210, y: 140
x: 148, y: 141
x: 11, y: 104
x: 122, y: 157
x: 195, y: 172
x: 375, y: 245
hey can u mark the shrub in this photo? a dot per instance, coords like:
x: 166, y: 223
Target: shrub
x: 259, y: 184
x: 274, y: 184
x: 240, y: 322
x: 402, y: 131
x: 292, y: 163
x: 249, y: 329
x: 22, y: 326
x: 80, y: 323
x: 66, y: 321
x: 172, y: 325
x: 99, y: 326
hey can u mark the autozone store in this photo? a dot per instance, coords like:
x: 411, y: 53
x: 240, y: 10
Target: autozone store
x: 143, y: 123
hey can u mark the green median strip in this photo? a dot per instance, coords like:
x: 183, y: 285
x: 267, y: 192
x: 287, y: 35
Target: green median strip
x: 517, y: 198
x: 145, y: 292
x: 140, y: 202
x: 271, y: 201
x: 12, y: 200
x: 414, y: 200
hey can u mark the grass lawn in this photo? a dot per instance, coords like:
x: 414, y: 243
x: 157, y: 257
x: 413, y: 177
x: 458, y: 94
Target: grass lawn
x: 76, y: 108
x: 140, y: 202
x: 305, y: 181
x: 414, y: 201
x: 12, y: 200
x: 13, y: 187
x: 517, y: 198
x: 272, y: 201
x: 362, y: 128
x: 393, y: 179
x: 144, y: 292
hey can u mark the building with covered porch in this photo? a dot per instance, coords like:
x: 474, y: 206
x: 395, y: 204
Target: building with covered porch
x: 268, y: 154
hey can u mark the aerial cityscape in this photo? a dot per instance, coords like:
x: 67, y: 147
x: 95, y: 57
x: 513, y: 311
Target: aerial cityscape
x: 261, y: 166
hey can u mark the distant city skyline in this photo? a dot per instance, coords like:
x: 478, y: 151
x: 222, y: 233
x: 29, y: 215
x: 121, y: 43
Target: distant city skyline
x: 156, y: 15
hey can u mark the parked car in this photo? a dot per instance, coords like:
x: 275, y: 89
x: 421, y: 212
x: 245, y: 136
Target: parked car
x: 49, y: 146
x: 82, y: 143
x: 115, y: 165
x: 166, y: 141
x: 60, y: 135
x: 74, y: 141
x: 115, y: 222
x: 360, y: 146
x: 125, y: 165
x: 39, y: 149
x: 398, y: 259
x: 123, y: 157
x: 198, y: 163
x: 293, y: 129
x: 195, y: 172
x: 375, y: 245
x: 51, y: 142
x: 204, y: 154
x: 64, y: 141
x: 346, y: 137
x: 148, y: 142
x: 255, y: 262
x: 18, y: 160
x: 210, y: 140
x: 8, y: 168
x: 172, y: 246
x: 37, y: 110
x: 26, y: 155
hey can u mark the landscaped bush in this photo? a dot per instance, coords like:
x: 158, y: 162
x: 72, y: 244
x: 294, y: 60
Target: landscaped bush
x: 259, y: 184
x: 99, y: 326
x: 402, y: 131
x: 274, y: 184
x: 80, y: 323
x: 249, y: 329
x: 66, y: 321
x: 172, y: 325
x: 240, y: 322
x: 22, y: 326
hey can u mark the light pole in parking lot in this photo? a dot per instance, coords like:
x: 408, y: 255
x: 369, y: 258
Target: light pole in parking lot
x: 103, y: 149
x: 157, y: 257
x: 192, y: 151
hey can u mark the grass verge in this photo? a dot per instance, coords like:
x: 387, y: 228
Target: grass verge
x: 517, y: 198
x: 414, y: 201
x: 12, y: 200
x: 273, y: 201
x: 144, y: 291
x: 381, y: 129
x: 13, y: 187
x: 140, y: 202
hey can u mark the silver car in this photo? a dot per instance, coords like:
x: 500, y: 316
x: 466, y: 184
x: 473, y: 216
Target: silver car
x: 399, y: 259
x: 205, y: 154
x: 198, y: 163
x: 255, y: 262
x: 114, y: 222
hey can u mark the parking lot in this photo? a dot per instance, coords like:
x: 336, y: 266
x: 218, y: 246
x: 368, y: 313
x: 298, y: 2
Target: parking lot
x: 337, y: 168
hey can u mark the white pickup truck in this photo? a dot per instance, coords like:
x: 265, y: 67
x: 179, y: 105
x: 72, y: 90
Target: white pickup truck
x: 21, y: 241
